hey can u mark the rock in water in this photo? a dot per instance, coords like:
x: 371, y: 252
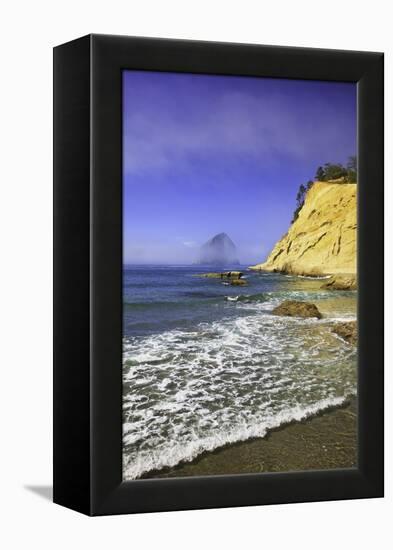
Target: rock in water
x: 222, y: 275
x: 293, y: 308
x: 341, y: 282
x: 220, y: 250
x: 238, y: 282
x: 348, y: 331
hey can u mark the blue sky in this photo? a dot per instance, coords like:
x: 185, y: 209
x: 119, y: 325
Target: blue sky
x: 205, y: 154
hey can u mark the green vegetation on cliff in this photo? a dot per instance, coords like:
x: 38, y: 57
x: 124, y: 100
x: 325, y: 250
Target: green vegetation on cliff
x: 336, y: 173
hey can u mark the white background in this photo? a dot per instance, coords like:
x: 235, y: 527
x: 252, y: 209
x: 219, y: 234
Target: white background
x: 28, y: 31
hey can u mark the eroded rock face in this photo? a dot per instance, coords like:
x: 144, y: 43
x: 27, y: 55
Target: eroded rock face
x: 322, y: 240
x: 293, y: 308
x: 348, y: 331
x: 220, y: 250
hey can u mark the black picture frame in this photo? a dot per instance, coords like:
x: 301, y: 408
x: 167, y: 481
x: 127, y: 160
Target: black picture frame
x: 88, y: 275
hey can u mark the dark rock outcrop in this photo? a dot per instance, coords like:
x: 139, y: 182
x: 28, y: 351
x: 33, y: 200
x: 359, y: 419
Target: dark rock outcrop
x: 231, y: 277
x: 238, y: 282
x: 341, y: 282
x: 348, y: 331
x: 293, y: 308
x: 223, y: 275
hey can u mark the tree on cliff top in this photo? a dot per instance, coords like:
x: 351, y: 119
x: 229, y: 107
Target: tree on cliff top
x: 320, y: 175
x: 329, y: 172
x: 352, y: 169
x: 300, y: 198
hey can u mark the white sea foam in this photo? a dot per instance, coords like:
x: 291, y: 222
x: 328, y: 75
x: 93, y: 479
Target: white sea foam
x: 314, y: 276
x: 146, y: 461
x: 190, y: 391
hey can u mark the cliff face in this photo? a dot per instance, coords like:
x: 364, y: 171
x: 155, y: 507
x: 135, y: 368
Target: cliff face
x: 220, y: 250
x: 323, y: 238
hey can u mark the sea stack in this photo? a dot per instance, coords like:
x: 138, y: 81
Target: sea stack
x: 219, y: 250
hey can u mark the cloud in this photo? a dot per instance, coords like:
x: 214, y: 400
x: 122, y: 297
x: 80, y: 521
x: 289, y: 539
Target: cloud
x: 158, y: 135
x: 158, y: 252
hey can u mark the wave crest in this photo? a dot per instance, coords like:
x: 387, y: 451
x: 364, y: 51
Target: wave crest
x: 147, y: 461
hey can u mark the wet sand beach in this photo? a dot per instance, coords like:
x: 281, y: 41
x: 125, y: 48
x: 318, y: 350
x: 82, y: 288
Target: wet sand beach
x: 325, y: 441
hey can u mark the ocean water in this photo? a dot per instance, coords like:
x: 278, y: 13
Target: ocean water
x: 206, y: 364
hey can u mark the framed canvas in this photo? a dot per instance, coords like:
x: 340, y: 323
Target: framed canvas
x: 218, y: 275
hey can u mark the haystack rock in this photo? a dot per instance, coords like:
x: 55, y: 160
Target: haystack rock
x: 322, y: 240
x: 219, y: 250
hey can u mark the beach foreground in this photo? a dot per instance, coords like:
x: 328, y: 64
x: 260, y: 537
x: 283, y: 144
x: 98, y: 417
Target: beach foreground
x: 325, y: 441
x: 207, y: 364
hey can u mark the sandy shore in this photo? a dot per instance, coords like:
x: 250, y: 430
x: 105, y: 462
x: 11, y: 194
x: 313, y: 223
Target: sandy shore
x: 322, y: 442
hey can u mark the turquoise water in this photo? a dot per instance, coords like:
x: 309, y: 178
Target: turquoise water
x: 206, y: 364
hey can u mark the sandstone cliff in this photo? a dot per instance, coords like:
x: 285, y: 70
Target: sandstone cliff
x: 323, y: 238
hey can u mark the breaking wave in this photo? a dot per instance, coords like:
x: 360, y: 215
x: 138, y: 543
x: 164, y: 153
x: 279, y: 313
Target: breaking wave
x: 191, y: 391
x: 147, y: 461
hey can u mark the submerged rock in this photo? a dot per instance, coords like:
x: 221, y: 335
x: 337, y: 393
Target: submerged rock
x: 293, y: 308
x: 223, y: 275
x: 238, y: 282
x: 348, y: 331
x: 341, y: 282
